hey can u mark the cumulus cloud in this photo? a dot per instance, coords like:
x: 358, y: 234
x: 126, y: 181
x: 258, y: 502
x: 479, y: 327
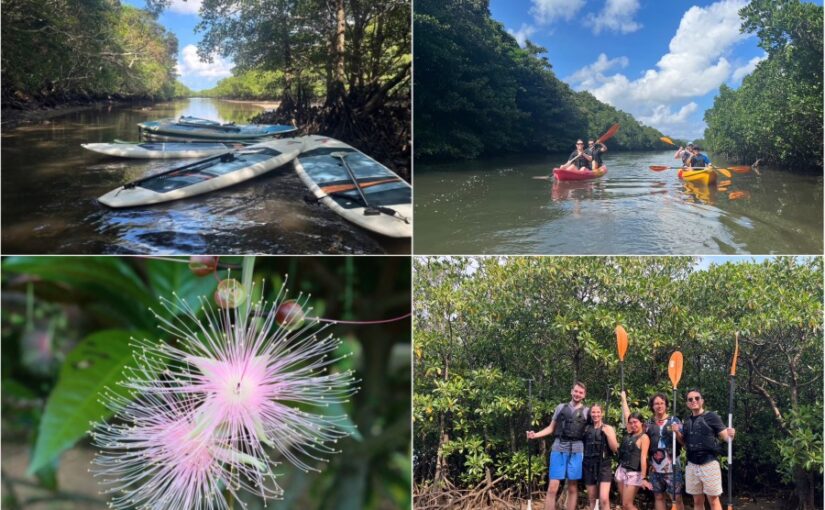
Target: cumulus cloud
x: 740, y: 72
x: 694, y: 66
x: 185, y: 6
x: 546, y: 12
x: 190, y: 64
x: 616, y: 16
x: 522, y: 34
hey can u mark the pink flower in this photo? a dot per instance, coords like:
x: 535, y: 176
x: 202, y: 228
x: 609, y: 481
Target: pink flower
x: 234, y: 388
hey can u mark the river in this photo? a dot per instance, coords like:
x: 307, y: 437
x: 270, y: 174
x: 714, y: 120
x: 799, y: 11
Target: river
x: 495, y: 206
x: 50, y: 186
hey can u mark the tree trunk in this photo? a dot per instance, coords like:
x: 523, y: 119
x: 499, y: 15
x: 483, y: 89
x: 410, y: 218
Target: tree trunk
x: 335, y: 94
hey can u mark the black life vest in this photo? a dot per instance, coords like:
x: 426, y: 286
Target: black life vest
x: 595, y: 444
x: 699, y: 437
x: 655, y: 434
x: 572, y: 423
x: 630, y: 455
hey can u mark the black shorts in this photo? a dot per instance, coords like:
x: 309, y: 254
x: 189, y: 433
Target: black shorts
x: 593, y: 475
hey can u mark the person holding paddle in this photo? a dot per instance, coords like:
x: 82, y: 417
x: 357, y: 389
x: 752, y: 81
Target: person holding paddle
x: 663, y: 476
x: 684, y: 153
x: 568, y: 424
x: 599, y: 446
x: 697, y: 159
x: 633, y: 455
x: 595, y: 150
x: 701, y: 433
x: 579, y: 158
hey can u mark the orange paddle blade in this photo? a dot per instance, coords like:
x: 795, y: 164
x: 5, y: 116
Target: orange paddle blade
x: 657, y: 168
x: 667, y: 140
x: 724, y: 183
x: 674, y: 368
x: 736, y: 195
x: 621, y: 341
x: 735, y: 356
x: 609, y: 134
x: 337, y: 188
x: 723, y: 171
x: 739, y: 169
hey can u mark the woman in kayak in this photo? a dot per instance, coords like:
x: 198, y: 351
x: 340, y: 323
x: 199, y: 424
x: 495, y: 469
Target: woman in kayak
x: 632, y: 470
x: 596, y: 150
x: 684, y: 153
x: 599, y: 446
x: 697, y: 159
x: 579, y: 158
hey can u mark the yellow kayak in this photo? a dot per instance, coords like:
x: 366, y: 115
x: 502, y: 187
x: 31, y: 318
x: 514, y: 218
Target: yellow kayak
x: 703, y: 176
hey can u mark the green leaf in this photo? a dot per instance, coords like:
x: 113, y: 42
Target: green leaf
x: 96, y: 362
x: 167, y: 277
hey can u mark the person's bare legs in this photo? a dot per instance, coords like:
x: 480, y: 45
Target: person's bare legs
x: 573, y: 494
x: 698, y: 502
x: 715, y: 503
x: 628, y: 495
x: 592, y: 496
x: 552, y: 491
x: 604, y: 496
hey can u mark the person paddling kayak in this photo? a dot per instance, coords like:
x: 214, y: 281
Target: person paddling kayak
x: 568, y: 426
x: 698, y: 159
x: 579, y: 158
x: 701, y: 433
x: 595, y: 150
x: 684, y: 153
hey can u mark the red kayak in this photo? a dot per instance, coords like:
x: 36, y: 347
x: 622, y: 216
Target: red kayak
x: 582, y: 174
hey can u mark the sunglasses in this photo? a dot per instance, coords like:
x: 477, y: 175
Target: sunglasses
x: 694, y: 399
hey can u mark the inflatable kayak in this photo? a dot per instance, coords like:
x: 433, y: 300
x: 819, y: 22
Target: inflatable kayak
x: 328, y: 167
x: 582, y: 174
x: 205, y: 175
x: 703, y: 176
x: 203, y: 129
x: 162, y: 150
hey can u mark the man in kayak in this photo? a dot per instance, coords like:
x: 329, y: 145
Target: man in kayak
x: 697, y: 159
x: 684, y: 153
x: 579, y: 158
x: 568, y: 425
x: 701, y: 434
x: 662, y: 473
x: 596, y: 152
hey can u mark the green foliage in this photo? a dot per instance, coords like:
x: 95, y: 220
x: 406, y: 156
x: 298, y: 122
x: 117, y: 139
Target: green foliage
x: 96, y: 364
x: 253, y: 85
x: 776, y: 115
x: 484, y: 325
x: 91, y: 48
x: 478, y: 92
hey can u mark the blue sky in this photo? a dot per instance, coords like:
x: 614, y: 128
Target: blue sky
x: 180, y: 18
x: 661, y: 61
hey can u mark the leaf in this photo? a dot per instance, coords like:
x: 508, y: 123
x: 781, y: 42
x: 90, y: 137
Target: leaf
x: 168, y: 277
x: 95, y: 363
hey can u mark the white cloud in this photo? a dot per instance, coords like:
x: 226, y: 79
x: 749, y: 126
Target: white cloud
x: 694, y: 66
x: 185, y: 6
x: 740, y: 72
x: 190, y: 64
x: 522, y: 34
x: 546, y: 12
x: 616, y: 15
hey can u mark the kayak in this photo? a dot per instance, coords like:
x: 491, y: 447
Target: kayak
x: 703, y: 176
x: 582, y: 174
x: 162, y: 150
x: 205, y: 175
x: 203, y: 129
x: 324, y: 166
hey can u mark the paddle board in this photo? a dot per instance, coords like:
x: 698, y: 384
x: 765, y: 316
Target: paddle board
x: 159, y: 150
x: 208, y: 130
x: 320, y: 166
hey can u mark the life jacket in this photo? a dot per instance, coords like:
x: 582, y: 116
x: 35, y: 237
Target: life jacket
x: 572, y: 423
x: 699, y: 437
x: 595, y: 444
x: 661, y: 439
x: 630, y: 455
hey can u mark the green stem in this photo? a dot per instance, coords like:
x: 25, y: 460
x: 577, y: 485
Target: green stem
x: 248, y: 268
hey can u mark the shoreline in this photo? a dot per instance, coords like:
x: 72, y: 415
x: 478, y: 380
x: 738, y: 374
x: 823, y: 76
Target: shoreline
x: 12, y: 118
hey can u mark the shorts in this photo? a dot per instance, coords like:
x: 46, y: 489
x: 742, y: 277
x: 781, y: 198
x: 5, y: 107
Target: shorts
x: 626, y: 477
x: 594, y: 475
x: 704, y: 479
x: 565, y: 466
x: 663, y: 482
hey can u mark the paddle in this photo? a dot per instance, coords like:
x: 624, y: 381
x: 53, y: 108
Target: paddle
x: 605, y: 137
x: 529, y: 452
x: 674, y: 371
x: 369, y: 209
x: 667, y: 140
x: 740, y: 169
x: 730, y: 421
x: 621, y: 345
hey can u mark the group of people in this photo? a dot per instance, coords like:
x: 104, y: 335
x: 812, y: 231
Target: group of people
x: 692, y: 157
x: 589, y: 158
x: 584, y: 447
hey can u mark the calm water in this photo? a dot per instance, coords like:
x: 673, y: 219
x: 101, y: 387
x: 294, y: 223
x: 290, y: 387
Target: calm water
x: 50, y: 185
x: 496, y: 207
